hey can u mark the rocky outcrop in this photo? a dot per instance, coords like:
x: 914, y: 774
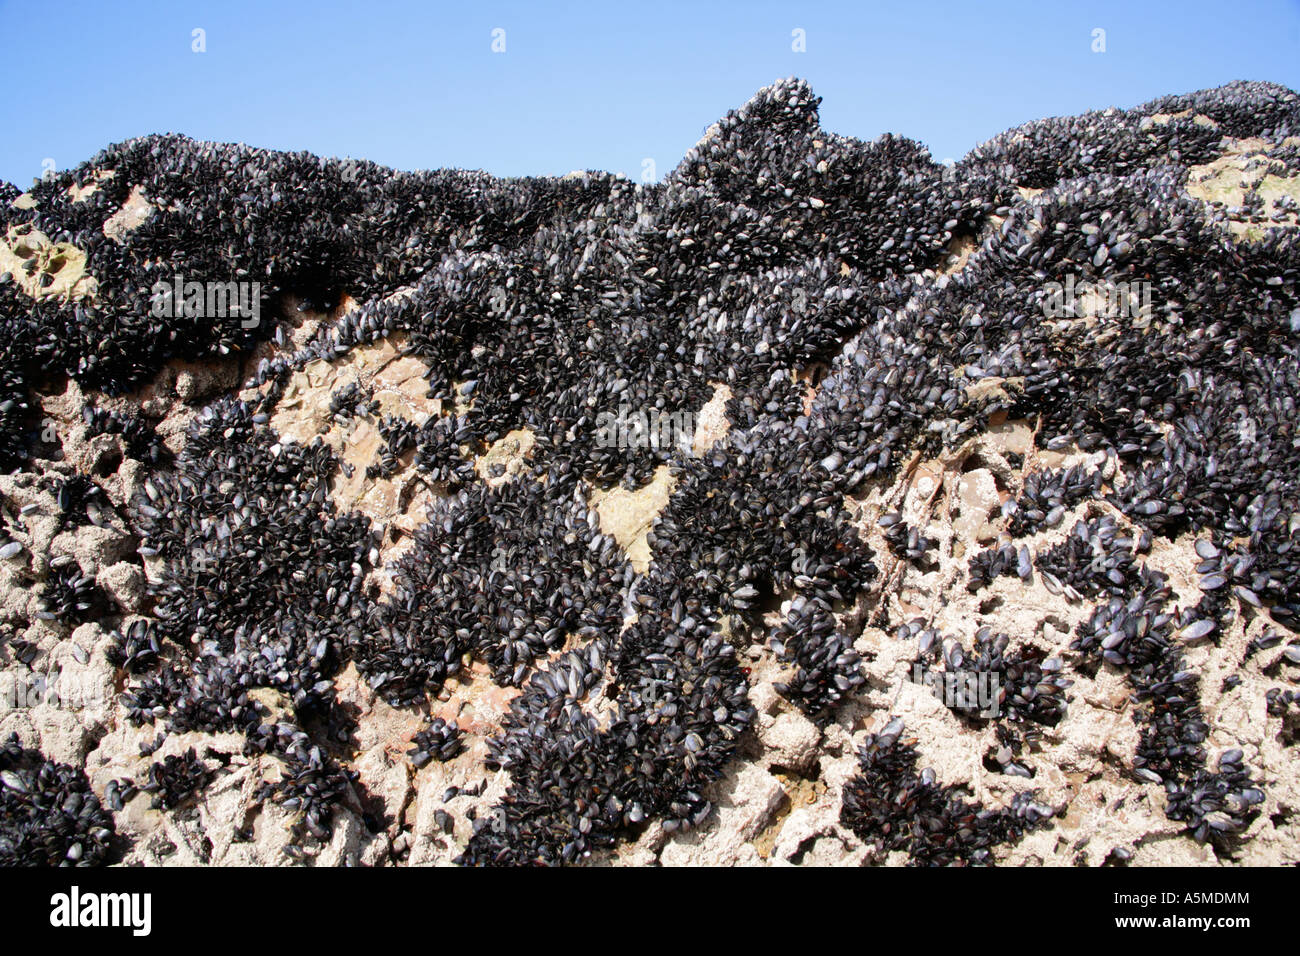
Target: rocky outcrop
x: 819, y: 505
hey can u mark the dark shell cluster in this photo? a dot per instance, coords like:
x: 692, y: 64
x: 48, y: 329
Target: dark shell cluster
x: 49, y: 816
x: 809, y: 274
x: 1138, y: 632
x: 441, y: 741
x: 176, y: 779
x: 893, y: 807
x: 505, y: 574
x: 1030, y: 688
x: 68, y: 594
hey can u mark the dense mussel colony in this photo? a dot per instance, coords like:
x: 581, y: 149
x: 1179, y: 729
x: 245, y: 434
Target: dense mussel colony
x: 805, y: 271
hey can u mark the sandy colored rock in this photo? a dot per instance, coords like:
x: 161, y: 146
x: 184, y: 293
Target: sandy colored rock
x: 509, y: 452
x: 711, y: 424
x: 790, y: 741
x: 133, y: 214
x: 627, y: 516
x: 124, y: 582
x: 44, y: 269
x: 746, y: 799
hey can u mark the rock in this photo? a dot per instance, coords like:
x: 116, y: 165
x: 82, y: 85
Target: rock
x: 627, y: 515
x: 977, y: 493
x: 747, y: 800
x: 386, y: 779
x: 124, y: 582
x: 98, y: 548
x: 791, y: 742
x: 848, y: 329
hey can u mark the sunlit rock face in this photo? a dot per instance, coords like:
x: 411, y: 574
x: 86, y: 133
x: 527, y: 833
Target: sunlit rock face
x: 820, y: 504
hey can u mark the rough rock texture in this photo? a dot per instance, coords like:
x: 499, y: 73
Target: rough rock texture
x: 363, y: 582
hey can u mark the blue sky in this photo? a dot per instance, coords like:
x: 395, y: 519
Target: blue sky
x: 591, y: 85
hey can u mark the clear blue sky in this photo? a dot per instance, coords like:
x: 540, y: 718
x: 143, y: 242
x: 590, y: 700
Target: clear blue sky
x: 591, y: 85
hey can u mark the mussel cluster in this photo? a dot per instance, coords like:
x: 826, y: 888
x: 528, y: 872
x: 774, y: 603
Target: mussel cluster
x: 813, y: 276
